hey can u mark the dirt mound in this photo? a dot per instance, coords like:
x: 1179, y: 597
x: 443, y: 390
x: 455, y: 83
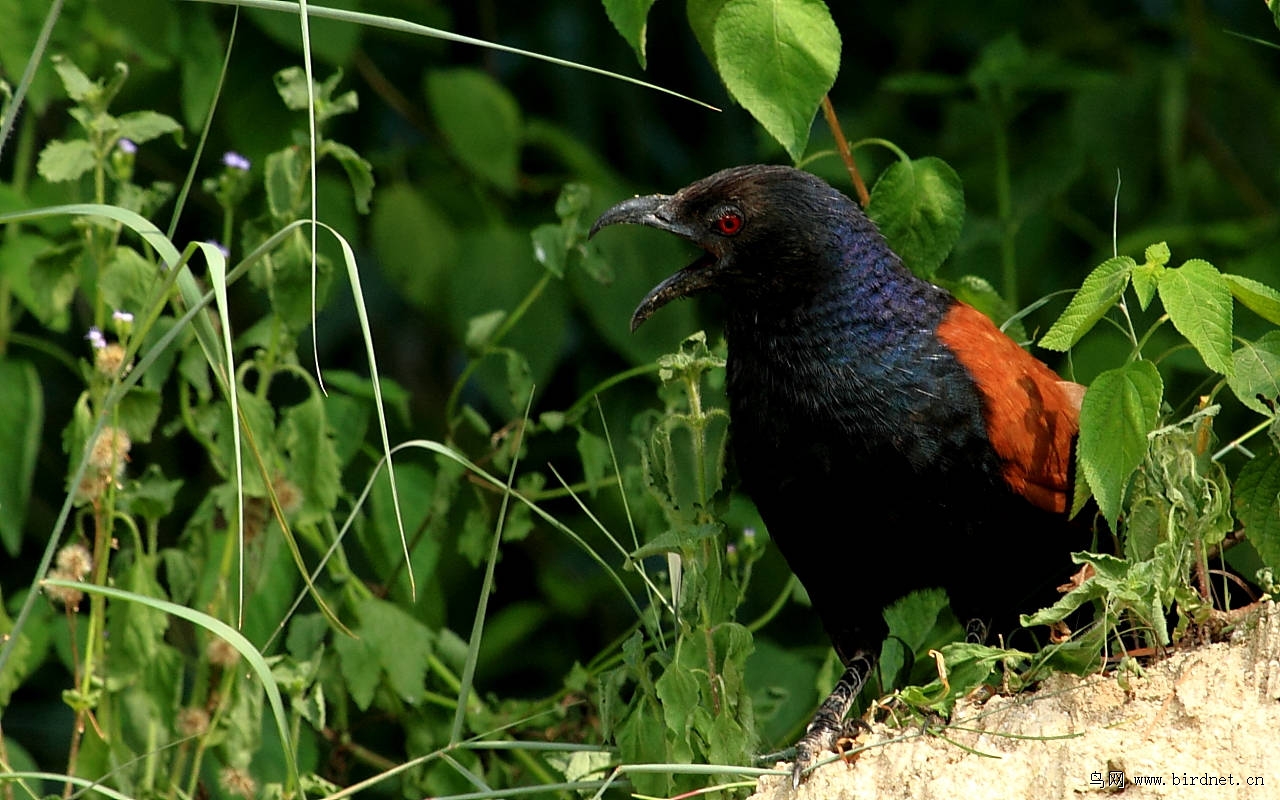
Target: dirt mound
x: 1201, y: 723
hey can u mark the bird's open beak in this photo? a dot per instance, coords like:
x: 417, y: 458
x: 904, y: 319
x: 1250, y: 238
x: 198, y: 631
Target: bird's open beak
x: 652, y: 211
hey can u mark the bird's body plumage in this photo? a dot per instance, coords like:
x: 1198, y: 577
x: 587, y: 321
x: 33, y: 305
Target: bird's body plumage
x: 891, y: 437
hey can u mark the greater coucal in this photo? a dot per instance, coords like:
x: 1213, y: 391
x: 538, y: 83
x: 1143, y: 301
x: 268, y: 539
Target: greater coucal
x: 891, y: 436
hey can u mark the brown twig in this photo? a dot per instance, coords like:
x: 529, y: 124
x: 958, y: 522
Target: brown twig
x: 846, y: 155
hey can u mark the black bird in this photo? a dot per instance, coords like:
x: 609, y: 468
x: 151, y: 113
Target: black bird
x: 891, y: 437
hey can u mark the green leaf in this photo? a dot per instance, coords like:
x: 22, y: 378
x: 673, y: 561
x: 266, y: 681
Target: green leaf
x: 1121, y: 406
x: 919, y: 207
x: 306, y: 437
x: 1198, y: 300
x: 282, y: 182
x: 1146, y: 276
x: 480, y: 329
x: 630, y: 18
x: 1099, y: 292
x: 359, y: 173
x: 778, y: 58
x: 1257, y: 372
x: 79, y: 87
x: 65, y: 161
x: 481, y: 122
x: 549, y: 248
x: 1259, y: 298
x: 143, y: 126
x: 416, y: 244
x: 1257, y: 501
x: 361, y: 672
x: 702, y: 16
x: 138, y: 412
x: 21, y: 428
x: 403, y: 645
x: 127, y: 281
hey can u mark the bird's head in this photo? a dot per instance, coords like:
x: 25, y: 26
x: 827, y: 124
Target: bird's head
x: 766, y: 232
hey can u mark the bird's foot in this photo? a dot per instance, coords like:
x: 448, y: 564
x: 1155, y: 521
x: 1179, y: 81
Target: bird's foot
x: 828, y: 727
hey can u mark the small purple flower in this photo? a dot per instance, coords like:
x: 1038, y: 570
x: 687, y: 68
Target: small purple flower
x: 234, y: 160
x: 222, y: 248
x: 127, y: 146
x: 96, y: 340
x: 122, y: 316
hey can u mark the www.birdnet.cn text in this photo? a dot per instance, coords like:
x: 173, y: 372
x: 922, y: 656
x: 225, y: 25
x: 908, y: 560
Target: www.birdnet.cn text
x: 1117, y: 779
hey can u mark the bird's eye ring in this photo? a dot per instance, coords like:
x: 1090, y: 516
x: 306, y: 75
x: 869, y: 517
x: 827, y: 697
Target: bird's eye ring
x: 727, y: 222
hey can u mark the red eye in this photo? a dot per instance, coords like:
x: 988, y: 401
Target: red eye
x: 728, y: 222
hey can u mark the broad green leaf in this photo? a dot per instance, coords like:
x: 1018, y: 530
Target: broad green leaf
x: 1259, y: 298
x: 1257, y: 372
x: 143, y: 126
x: 630, y: 18
x: 416, y: 244
x: 21, y: 427
x: 307, y: 438
x: 1120, y: 408
x: 1199, y: 304
x: 1099, y: 292
x: 481, y: 122
x: 127, y: 282
x: 402, y: 644
x: 1257, y: 501
x: 919, y: 207
x: 65, y: 161
x: 361, y: 672
x: 702, y: 21
x: 778, y: 58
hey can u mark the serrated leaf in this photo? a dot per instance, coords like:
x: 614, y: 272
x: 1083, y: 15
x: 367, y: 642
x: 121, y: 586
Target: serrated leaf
x: 778, y: 58
x: 1198, y: 300
x: 77, y: 84
x: 403, y: 645
x: 65, y: 161
x: 21, y: 427
x: 1099, y: 292
x: 1120, y: 408
x: 919, y: 207
x: 1257, y: 502
x: 308, y: 440
x: 630, y: 18
x: 1258, y: 297
x: 481, y: 122
x: 1146, y: 277
x: 1257, y: 372
x: 143, y: 126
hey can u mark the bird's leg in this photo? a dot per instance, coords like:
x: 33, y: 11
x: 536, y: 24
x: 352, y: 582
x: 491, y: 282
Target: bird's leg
x: 828, y: 723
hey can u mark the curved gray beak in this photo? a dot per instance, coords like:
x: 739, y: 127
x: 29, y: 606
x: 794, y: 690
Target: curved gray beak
x: 654, y: 211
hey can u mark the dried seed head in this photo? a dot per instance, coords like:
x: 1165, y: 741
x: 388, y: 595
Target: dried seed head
x: 288, y: 495
x: 75, y: 561
x: 69, y: 598
x: 192, y: 721
x: 221, y: 653
x: 237, y: 782
x: 110, y: 450
x: 109, y: 360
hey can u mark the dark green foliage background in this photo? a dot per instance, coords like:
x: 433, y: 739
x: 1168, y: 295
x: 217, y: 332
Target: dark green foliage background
x: 1040, y: 109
